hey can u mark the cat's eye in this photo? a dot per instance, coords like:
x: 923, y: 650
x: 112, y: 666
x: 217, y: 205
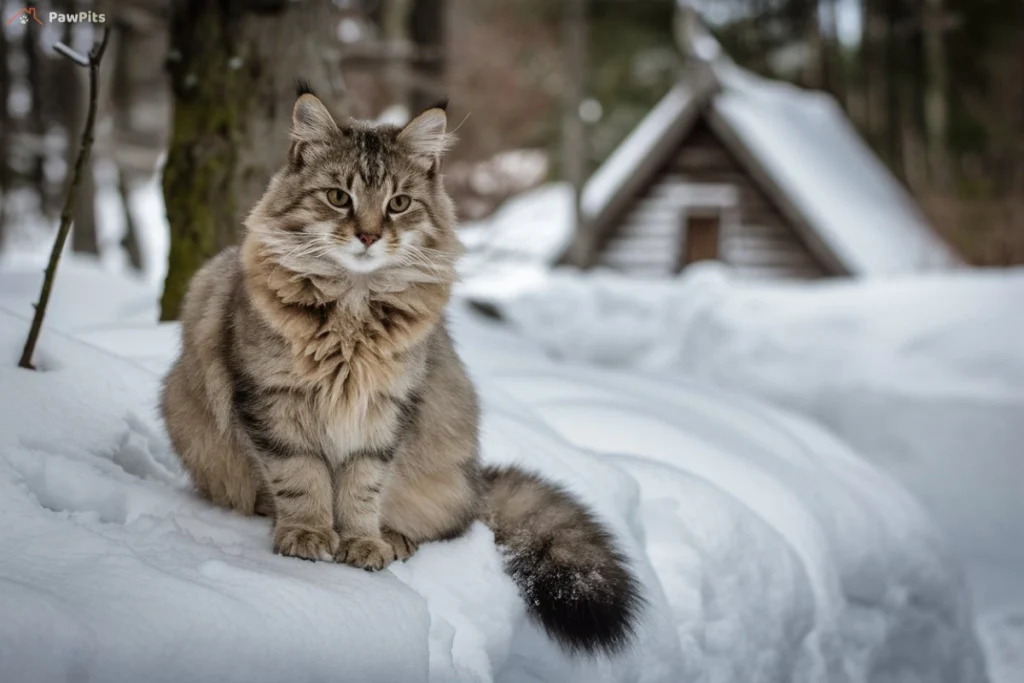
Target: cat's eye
x: 338, y: 198
x: 399, y: 203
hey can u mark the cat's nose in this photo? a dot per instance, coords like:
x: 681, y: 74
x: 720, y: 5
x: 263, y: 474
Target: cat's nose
x: 367, y: 238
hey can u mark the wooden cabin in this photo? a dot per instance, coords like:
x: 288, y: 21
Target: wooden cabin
x: 764, y: 176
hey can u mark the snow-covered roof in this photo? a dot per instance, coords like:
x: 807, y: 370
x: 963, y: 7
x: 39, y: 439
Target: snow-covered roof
x: 666, y: 120
x: 809, y: 149
x: 801, y: 148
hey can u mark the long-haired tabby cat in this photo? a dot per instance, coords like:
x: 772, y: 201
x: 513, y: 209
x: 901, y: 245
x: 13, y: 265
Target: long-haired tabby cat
x: 317, y: 382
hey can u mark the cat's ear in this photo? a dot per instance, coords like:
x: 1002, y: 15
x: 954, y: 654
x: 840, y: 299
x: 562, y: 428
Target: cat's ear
x: 425, y: 135
x: 310, y: 119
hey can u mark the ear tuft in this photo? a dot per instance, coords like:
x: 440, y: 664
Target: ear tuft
x: 425, y: 135
x: 310, y: 119
x: 302, y: 87
x: 440, y: 104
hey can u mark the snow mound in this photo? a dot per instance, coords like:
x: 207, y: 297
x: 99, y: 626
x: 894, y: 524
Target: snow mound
x: 767, y: 550
x: 535, y: 226
x: 518, y: 244
x: 924, y: 375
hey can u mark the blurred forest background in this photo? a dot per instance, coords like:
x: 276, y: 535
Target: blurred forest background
x: 196, y: 95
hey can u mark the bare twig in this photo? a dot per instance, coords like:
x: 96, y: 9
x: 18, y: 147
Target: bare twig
x: 72, y: 54
x: 130, y: 242
x: 93, y: 62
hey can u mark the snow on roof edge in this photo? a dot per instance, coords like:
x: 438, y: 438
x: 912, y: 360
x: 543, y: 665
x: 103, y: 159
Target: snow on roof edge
x: 631, y: 153
x: 915, y: 244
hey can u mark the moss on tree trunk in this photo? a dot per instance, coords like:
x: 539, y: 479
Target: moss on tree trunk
x: 211, y: 105
x: 233, y: 67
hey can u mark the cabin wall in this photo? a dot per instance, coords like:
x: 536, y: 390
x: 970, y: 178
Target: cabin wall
x: 756, y: 239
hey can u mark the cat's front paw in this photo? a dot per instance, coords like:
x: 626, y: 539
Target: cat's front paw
x: 403, y: 546
x: 307, y: 543
x: 371, y: 554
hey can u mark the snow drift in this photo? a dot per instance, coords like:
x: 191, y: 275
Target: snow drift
x: 924, y: 375
x: 768, y: 551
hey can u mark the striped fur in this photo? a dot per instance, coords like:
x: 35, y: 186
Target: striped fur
x: 317, y: 383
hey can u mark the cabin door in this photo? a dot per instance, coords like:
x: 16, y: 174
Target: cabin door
x: 701, y: 238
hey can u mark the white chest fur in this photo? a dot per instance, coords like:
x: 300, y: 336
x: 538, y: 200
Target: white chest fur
x: 370, y: 419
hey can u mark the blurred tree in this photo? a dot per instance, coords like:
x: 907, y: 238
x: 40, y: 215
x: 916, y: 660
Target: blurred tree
x: 233, y: 66
x: 933, y: 27
x: 834, y: 66
x: 395, y: 31
x: 5, y: 132
x: 632, y: 61
x: 805, y: 15
x: 140, y: 103
x: 872, y: 53
x: 36, y: 71
x: 504, y: 74
x: 429, y: 34
x: 574, y: 143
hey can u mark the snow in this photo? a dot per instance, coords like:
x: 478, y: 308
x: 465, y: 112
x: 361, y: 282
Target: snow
x: 83, y: 297
x: 767, y: 549
x: 518, y: 243
x: 533, y: 226
x: 31, y: 234
x: 923, y: 374
x: 797, y: 135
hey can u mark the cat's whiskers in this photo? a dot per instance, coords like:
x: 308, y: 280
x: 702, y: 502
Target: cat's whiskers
x: 421, y: 256
x: 314, y: 249
x: 421, y: 264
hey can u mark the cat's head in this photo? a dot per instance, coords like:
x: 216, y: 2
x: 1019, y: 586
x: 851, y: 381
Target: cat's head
x: 359, y: 198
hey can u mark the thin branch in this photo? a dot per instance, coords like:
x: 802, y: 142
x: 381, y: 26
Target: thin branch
x: 95, y: 56
x: 72, y: 54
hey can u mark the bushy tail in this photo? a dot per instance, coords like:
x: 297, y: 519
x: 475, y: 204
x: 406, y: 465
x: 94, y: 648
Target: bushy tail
x: 574, y: 581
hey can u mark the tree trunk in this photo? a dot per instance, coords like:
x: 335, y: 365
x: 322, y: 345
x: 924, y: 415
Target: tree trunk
x: 429, y: 22
x: 754, y: 36
x: 935, y: 93
x: 233, y: 67
x: 395, y: 21
x: 875, y: 76
x: 37, y: 115
x: 893, y: 69
x: 123, y: 97
x: 835, y: 68
x: 5, y: 133
x: 814, y: 67
x: 574, y: 152
x: 140, y: 103
x: 914, y: 154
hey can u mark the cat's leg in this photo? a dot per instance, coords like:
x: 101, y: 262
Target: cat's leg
x: 217, y: 462
x: 303, y: 506
x: 429, y: 506
x: 359, y: 481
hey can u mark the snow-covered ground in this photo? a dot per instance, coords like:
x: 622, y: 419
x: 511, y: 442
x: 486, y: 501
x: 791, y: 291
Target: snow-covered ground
x: 923, y: 375
x: 768, y: 550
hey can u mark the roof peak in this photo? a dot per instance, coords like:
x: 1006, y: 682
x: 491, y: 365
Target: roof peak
x: 692, y: 36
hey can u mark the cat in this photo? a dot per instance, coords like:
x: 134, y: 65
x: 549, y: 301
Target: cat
x: 317, y: 382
